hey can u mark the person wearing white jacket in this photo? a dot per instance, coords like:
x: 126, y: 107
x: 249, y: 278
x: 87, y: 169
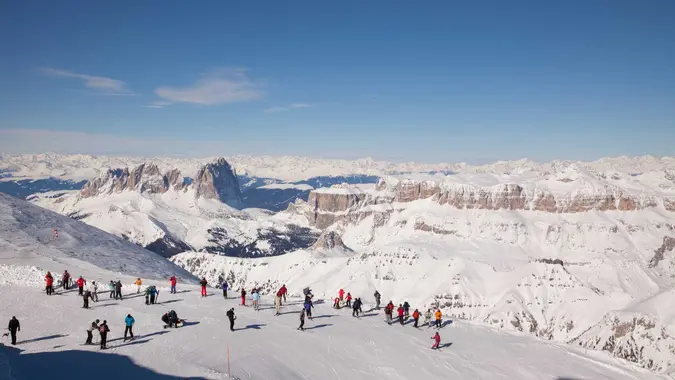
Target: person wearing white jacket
x: 94, y: 290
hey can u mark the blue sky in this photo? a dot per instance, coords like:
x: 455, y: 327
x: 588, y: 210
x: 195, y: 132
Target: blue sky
x: 397, y: 80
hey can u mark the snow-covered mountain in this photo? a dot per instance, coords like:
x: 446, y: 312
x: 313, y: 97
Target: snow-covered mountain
x: 169, y: 213
x: 566, y: 251
x: 27, y: 238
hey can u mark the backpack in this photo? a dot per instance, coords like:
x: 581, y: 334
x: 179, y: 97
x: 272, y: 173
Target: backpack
x: 101, y: 328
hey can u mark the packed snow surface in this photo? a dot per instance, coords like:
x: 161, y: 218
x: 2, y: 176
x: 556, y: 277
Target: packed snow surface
x: 263, y: 346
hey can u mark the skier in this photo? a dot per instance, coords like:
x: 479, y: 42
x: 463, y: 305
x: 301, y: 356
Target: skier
x: 389, y: 311
x: 94, y: 291
x: 224, y: 286
x: 118, y: 290
x: 50, y: 284
x: 307, y: 292
x: 336, y: 303
x: 438, y: 316
x: 283, y: 291
x: 341, y: 294
x: 277, y: 303
x: 256, y: 300
x: 349, y: 300
x: 173, y: 284
x: 400, y: 311
x: 437, y: 341
x: 377, y: 299
x: 406, y: 309
x: 65, y: 280
x: 150, y: 293
x: 104, y: 330
x: 302, y: 320
x: 138, y: 284
x: 427, y: 318
x: 111, y: 288
x: 203, y: 283
x: 129, y: 324
x: 80, y: 285
x: 231, y: 317
x: 357, y: 307
x: 243, y: 297
x: 13, y: 327
x: 173, y: 319
x: 308, y: 307
x: 85, y: 297
x: 416, y: 316
x: 90, y: 330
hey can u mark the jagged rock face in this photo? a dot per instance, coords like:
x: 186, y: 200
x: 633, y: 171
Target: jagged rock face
x: 330, y: 240
x: 626, y: 337
x: 218, y: 181
x: 335, y: 206
x: 147, y: 178
x: 659, y: 254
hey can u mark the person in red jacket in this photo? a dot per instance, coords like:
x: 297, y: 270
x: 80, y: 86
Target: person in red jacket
x: 341, y: 294
x: 401, y: 312
x: 388, y: 311
x: 416, y: 317
x: 80, y: 285
x: 243, y: 297
x: 349, y: 300
x: 50, y: 284
x: 437, y: 341
x: 173, y: 284
x: 203, y: 283
x: 283, y: 291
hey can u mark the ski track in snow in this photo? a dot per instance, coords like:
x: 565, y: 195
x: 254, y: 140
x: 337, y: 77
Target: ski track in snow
x: 335, y: 346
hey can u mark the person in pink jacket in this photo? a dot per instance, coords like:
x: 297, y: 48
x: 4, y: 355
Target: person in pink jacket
x: 437, y: 341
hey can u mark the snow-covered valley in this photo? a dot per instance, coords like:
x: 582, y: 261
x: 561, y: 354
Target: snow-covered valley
x: 575, y: 253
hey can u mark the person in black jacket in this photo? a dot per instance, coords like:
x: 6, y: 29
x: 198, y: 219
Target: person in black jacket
x: 118, y: 290
x: 231, y: 317
x: 13, y: 327
x: 104, y: 330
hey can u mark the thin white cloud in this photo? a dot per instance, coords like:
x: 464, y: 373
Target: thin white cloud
x: 286, y: 108
x: 219, y: 86
x: 104, y: 85
x: 158, y: 104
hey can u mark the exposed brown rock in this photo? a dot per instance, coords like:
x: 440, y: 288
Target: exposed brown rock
x: 217, y: 181
x: 659, y: 253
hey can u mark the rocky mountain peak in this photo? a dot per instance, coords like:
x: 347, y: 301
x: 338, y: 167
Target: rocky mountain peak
x: 217, y: 180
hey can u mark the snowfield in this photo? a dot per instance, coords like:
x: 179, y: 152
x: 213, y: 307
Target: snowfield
x: 334, y: 346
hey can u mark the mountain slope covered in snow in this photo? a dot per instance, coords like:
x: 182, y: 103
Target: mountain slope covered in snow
x: 27, y: 238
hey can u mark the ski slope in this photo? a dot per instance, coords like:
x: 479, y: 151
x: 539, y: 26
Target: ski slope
x: 334, y: 346
x: 27, y: 238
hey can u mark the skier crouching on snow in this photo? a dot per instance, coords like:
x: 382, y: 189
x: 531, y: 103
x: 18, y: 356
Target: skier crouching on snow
x: 437, y: 341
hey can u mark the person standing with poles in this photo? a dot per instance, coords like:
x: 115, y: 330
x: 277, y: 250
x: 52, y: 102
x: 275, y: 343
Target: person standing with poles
x: 104, y: 330
x: 50, y: 284
x: 90, y: 330
x: 129, y: 324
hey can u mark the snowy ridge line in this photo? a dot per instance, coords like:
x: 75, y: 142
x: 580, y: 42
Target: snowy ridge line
x: 289, y: 168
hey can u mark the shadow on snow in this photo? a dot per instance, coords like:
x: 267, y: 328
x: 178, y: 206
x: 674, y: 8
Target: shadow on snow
x: 318, y: 326
x: 80, y: 365
x: 42, y: 338
x: 255, y: 326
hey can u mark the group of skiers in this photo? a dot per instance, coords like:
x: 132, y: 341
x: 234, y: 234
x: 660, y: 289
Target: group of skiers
x: 103, y: 330
x: 170, y: 319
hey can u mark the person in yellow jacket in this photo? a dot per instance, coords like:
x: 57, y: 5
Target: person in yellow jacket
x: 138, y: 284
x: 438, y: 316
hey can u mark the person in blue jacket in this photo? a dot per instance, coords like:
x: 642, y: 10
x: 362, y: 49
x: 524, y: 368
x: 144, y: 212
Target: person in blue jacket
x: 225, y: 286
x: 129, y: 322
x: 308, y: 307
